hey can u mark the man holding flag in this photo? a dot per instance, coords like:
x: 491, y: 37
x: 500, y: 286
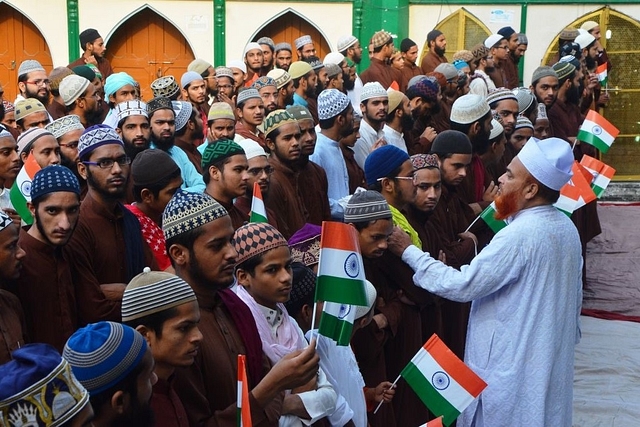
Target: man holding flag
x: 526, y: 292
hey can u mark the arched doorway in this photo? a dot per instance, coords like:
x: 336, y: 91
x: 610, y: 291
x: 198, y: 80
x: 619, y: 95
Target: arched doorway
x: 624, y: 80
x: 20, y: 39
x: 462, y: 30
x: 148, y: 46
x: 287, y: 27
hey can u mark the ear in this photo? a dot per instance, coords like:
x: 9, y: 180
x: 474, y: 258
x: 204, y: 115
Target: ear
x: 32, y: 209
x: 23, y: 156
x: 387, y: 185
x: 363, y: 109
x: 243, y: 277
x: 306, y: 313
x: 214, y: 173
x: 82, y: 169
x: 119, y: 402
x: 147, y: 333
x: 179, y: 254
x: 185, y: 93
x: 270, y: 144
x: 112, y: 99
x: 119, y: 131
x: 22, y: 87
x: 531, y: 190
x: 147, y: 196
x: 475, y: 128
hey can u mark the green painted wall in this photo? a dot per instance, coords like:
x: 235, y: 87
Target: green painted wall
x: 73, y: 30
x: 219, y: 32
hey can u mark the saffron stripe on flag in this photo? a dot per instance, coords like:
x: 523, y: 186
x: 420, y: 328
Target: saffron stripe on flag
x: 596, y: 118
x: 258, y: 210
x: 336, y: 236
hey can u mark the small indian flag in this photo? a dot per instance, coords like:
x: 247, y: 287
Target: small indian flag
x: 433, y: 423
x: 575, y: 193
x: 489, y: 216
x: 601, y: 71
x: 337, y: 322
x: 258, y: 211
x: 20, y: 192
x: 597, y: 131
x: 244, y: 412
x: 441, y: 380
x: 602, y: 174
x: 340, y: 269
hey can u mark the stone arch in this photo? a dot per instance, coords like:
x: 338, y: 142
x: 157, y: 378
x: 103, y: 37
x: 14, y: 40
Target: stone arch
x: 290, y: 24
x: 462, y: 29
x: 26, y: 42
x: 147, y: 45
x: 624, y: 84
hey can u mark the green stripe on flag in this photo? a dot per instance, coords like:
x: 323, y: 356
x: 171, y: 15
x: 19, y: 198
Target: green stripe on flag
x: 590, y: 138
x: 20, y: 204
x: 335, y: 328
x: 437, y: 404
x: 256, y: 217
x: 488, y: 216
x: 338, y: 289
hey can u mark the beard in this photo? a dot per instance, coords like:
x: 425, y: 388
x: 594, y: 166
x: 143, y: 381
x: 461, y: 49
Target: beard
x: 506, y: 205
x: 347, y: 84
x: 164, y: 144
x: 439, y: 50
x: 107, y: 195
x: 591, y: 63
x: 406, y: 121
x: 573, y: 95
x: 140, y: 415
x: 489, y: 70
x: 435, y: 109
x: 44, y: 99
x: 319, y: 89
x: 132, y: 151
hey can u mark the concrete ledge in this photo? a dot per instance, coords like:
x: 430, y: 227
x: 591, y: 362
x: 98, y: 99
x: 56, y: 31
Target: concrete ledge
x: 622, y: 192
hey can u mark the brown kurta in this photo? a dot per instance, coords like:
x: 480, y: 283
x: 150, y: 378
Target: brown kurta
x: 104, y: 66
x: 238, y: 218
x: 56, y: 110
x: 382, y: 73
x: 244, y: 132
x: 285, y: 199
x: 409, y: 71
x: 192, y: 153
x: 420, y: 144
x: 498, y: 76
x: 511, y: 72
x: 97, y: 255
x: 167, y: 406
x: 243, y: 204
x: 430, y: 61
x: 356, y: 174
x: 440, y: 121
x: 12, y: 325
x: 314, y: 189
x: 46, y: 291
x: 208, y: 388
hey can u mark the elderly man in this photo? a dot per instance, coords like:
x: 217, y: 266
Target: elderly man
x: 526, y: 291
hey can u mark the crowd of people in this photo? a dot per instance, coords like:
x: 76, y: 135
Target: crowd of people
x: 136, y: 278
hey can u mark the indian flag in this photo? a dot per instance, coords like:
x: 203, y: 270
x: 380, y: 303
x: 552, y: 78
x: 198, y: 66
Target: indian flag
x: 489, y: 216
x: 258, y: 211
x: 340, y: 269
x: 602, y: 174
x: 441, y: 380
x: 433, y: 423
x: 597, y: 131
x: 20, y: 192
x: 601, y: 71
x: 244, y: 412
x: 575, y: 193
x: 337, y: 322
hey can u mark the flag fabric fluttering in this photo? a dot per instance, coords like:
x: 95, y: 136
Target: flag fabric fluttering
x: 433, y: 423
x: 337, y: 322
x: 258, y: 210
x: 602, y: 174
x: 340, y: 269
x: 488, y: 216
x: 442, y: 381
x: 577, y: 192
x: 597, y: 131
x: 244, y: 411
x: 20, y: 192
x: 602, y: 73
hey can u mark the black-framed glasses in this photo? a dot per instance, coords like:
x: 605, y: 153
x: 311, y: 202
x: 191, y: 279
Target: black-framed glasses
x: 108, y: 163
x: 258, y: 171
x: 71, y: 145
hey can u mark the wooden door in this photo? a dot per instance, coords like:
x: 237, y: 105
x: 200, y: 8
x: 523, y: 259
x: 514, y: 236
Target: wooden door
x: 288, y: 27
x: 147, y: 46
x: 19, y: 40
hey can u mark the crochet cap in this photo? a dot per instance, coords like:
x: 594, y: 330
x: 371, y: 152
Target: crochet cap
x: 298, y: 69
x: 251, y: 46
x: 542, y: 72
x: 97, y: 136
x: 563, y: 69
x: 187, y: 211
x: 39, y: 389
x: 584, y: 40
x: 64, y: 125
x: 220, y: 150
x: 5, y: 221
x: 283, y: 46
x: 305, y: 245
x: 256, y: 238
x: 345, y: 42
x: 451, y: 141
x: 549, y: 161
x: 332, y: 102
x: 103, y: 354
x: 492, y: 40
x: 424, y: 161
x: 381, y: 38
x: 71, y: 87
x: 224, y: 72
x: 303, y: 287
x: 247, y: 94
x: 159, y: 103
x: 199, y: 66
x: 333, y: 58
x: 267, y: 41
x: 469, y: 109
x: 28, y: 106
x: 496, y: 129
x: 56, y: 76
x: 240, y: 65
x: 463, y: 55
x: 382, y: 161
x: 333, y: 70
x: 29, y: 66
x: 262, y: 82
x: 372, y: 90
x: 134, y: 107
x: 299, y: 112
x: 568, y: 34
x: 395, y: 99
x: 152, y: 292
x: 52, y: 179
x: 366, y: 206
x: 182, y: 111
x: 301, y: 41
x: 479, y: 51
x: 500, y: 94
x: 220, y: 110
x: 448, y: 70
x: 85, y: 71
x: 251, y: 148
x: 29, y: 137
x: 424, y: 87
x: 279, y: 118
x: 165, y: 86
x: 523, y: 122
x: 589, y: 25
x: 188, y: 78
x: 280, y: 76
x: 524, y: 97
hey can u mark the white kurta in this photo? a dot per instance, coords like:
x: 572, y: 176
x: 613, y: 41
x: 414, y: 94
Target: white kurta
x: 526, y: 288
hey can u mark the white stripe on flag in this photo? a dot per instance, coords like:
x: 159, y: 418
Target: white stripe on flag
x: 339, y: 263
x: 335, y: 309
x: 601, y: 181
x: 453, y: 392
x: 597, y: 130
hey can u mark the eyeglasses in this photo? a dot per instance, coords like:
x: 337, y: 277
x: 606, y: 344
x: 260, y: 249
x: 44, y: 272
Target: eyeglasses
x: 39, y: 82
x: 225, y: 86
x: 71, y: 145
x: 405, y: 178
x: 258, y: 171
x: 108, y: 163
x: 503, y: 47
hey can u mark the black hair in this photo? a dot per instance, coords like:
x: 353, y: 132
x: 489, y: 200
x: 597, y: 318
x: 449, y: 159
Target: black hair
x: 442, y: 156
x: 328, y: 123
x: 154, y: 188
x: 218, y: 165
x: 549, y: 195
x: 364, y: 224
x: 128, y: 384
x: 185, y: 239
x: 205, y: 73
x: 569, y: 76
x: 192, y: 118
x: 463, y: 127
x: 155, y: 321
x: 250, y: 264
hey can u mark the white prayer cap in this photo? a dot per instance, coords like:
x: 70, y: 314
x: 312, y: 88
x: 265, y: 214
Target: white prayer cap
x: 549, y: 161
x: 496, y: 129
x: 251, y: 46
x: 371, y: 300
x: 251, y: 148
x: 238, y: 64
x: 492, y: 40
x: 333, y: 58
x: 584, y: 40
